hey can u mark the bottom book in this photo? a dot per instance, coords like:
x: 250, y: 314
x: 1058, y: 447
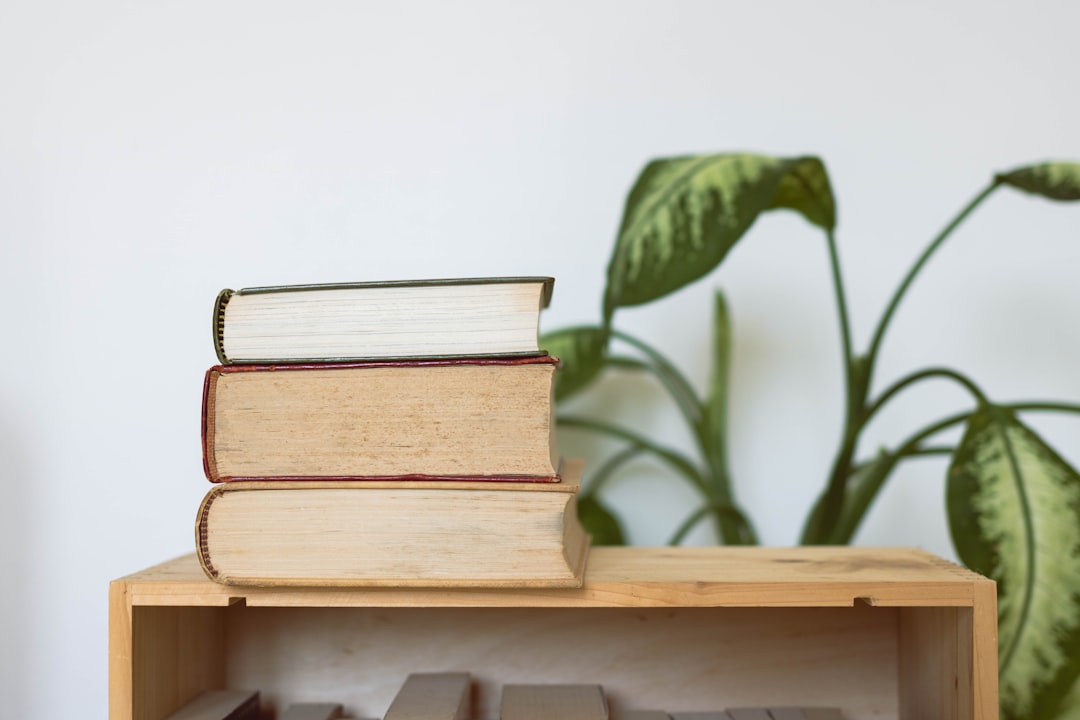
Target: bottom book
x: 394, y: 533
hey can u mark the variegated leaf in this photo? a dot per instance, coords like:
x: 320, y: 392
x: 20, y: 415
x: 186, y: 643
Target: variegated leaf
x: 1014, y: 514
x: 581, y: 352
x: 1053, y: 180
x: 1069, y: 709
x: 684, y: 214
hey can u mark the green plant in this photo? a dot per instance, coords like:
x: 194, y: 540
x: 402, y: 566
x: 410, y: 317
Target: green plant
x: 1013, y: 503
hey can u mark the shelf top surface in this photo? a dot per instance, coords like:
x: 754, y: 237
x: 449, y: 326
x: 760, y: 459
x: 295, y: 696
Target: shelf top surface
x: 631, y: 577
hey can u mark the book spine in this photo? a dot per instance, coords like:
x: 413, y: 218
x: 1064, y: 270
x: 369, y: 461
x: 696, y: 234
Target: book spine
x: 219, y: 325
x: 202, y: 545
x: 207, y: 429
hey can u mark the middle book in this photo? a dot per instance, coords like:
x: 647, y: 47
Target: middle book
x: 460, y: 419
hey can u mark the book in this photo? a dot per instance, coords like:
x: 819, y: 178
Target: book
x: 221, y: 705
x: 313, y: 711
x: 450, y: 419
x: 433, y: 696
x: 355, y: 321
x: 748, y: 713
x: 394, y: 533
x: 805, y: 713
x: 544, y: 702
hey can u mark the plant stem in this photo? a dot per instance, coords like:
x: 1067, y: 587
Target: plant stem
x: 854, y: 392
x: 735, y: 525
x: 605, y: 471
x: 825, y: 526
x: 721, y: 510
x: 716, y: 483
x: 671, y: 457
x: 912, y: 447
x: 859, y: 380
x: 845, y: 321
x: 687, y: 405
x: 668, y: 374
x: 909, y: 380
x: 1050, y: 406
x: 894, y: 303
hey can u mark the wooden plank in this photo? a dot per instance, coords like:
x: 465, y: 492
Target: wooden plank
x: 120, y: 668
x: 985, y: 652
x: 881, y: 633
x: 177, y: 653
x: 636, y: 577
x: 935, y: 663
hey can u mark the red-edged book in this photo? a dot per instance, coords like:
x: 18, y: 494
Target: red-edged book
x: 451, y: 419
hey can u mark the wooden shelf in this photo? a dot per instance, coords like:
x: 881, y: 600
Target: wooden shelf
x: 881, y: 633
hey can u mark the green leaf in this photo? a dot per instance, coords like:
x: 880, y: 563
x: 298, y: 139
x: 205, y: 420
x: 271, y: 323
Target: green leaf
x: 715, y: 409
x: 1069, y: 709
x: 581, y: 352
x: 1014, y: 514
x: 1053, y: 180
x: 599, y: 522
x: 685, y: 213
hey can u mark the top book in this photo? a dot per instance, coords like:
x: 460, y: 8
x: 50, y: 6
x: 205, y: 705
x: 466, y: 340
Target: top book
x: 373, y: 320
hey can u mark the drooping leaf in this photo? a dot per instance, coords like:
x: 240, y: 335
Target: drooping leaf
x: 716, y: 403
x: 600, y: 522
x: 581, y: 352
x: 1014, y: 514
x: 1053, y: 180
x: 685, y: 213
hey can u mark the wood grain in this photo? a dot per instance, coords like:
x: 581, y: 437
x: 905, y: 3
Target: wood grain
x: 879, y: 633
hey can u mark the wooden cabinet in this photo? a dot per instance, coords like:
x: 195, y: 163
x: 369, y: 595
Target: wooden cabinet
x: 880, y: 633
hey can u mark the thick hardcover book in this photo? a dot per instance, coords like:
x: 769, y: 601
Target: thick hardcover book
x: 475, y: 419
x: 359, y: 321
x: 394, y: 533
x: 221, y: 705
x: 433, y: 696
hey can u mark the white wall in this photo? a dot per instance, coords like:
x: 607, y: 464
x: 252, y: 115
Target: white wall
x: 153, y: 153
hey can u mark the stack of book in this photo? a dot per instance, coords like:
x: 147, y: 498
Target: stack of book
x: 386, y: 434
x: 449, y: 696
